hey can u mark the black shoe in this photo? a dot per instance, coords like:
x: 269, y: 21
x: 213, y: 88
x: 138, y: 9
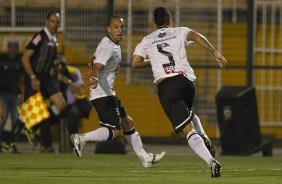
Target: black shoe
x: 10, y: 148
x: 215, y: 169
x: 209, y: 145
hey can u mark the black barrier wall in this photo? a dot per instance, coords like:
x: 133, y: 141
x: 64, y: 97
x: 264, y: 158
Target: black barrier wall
x: 238, y: 120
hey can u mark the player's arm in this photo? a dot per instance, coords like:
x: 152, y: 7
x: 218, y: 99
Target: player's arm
x: 139, y: 62
x: 203, y: 42
x: 28, y: 69
x: 95, y: 69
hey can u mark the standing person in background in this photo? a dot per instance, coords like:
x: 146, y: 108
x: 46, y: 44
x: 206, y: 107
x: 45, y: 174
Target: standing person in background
x: 166, y: 52
x: 37, y: 62
x: 111, y: 113
x: 71, y: 85
x: 11, y: 87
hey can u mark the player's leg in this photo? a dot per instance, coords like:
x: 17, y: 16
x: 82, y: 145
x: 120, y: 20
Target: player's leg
x: 196, y: 122
x: 193, y: 138
x: 106, y: 108
x: 99, y: 135
x: 174, y: 94
x: 134, y: 139
x: 198, y: 146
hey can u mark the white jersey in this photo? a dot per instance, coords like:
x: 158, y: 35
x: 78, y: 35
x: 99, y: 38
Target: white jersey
x: 108, y: 54
x: 166, y: 50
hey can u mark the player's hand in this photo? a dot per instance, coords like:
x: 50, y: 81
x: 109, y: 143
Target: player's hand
x: 35, y: 84
x: 221, y: 61
x: 93, y: 82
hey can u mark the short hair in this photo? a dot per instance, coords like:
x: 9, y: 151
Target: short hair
x: 113, y: 17
x: 161, y: 16
x: 52, y: 13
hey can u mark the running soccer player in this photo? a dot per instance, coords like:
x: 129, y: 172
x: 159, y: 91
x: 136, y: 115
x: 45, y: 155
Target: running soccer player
x: 166, y: 53
x: 112, y: 115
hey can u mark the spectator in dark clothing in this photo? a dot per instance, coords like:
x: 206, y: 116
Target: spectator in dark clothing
x: 11, y: 86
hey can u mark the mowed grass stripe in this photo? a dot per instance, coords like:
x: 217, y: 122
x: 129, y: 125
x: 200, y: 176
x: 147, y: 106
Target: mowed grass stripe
x: 126, y: 169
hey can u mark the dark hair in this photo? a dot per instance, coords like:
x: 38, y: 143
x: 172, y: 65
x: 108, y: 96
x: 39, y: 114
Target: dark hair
x: 52, y: 13
x: 161, y: 16
x: 113, y: 17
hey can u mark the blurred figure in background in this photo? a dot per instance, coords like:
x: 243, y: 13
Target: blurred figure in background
x: 71, y: 85
x: 37, y: 61
x: 11, y: 87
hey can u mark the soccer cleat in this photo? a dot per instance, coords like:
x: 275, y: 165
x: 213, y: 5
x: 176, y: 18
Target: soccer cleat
x: 9, y: 148
x: 77, y: 144
x: 215, y: 169
x: 153, y: 159
x: 209, y: 145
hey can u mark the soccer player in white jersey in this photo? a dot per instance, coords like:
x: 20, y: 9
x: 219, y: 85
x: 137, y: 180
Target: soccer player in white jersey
x: 111, y: 113
x: 165, y: 50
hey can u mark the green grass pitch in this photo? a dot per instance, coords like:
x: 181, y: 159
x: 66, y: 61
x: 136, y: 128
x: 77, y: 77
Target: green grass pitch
x: 126, y: 169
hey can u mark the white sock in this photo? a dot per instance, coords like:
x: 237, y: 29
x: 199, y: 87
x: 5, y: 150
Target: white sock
x: 196, y: 122
x: 98, y: 135
x: 198, y: 145
x: 136, y: 143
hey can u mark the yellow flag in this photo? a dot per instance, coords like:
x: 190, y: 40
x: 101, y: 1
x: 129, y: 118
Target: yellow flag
x: 33, y: 110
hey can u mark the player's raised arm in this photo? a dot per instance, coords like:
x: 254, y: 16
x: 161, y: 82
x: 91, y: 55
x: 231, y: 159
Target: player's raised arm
x: 203, y: 42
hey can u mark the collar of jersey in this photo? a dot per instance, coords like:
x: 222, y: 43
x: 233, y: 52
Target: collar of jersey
x: 113, y: 40
x: 50, y: 37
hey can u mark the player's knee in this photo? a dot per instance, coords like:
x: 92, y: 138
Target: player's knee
x: 116, y: 133
x: 186, y: 130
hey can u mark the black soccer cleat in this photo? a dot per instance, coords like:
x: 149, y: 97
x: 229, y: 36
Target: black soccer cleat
x: 209, y: 145
x: 215, y: 169
x: 9, y: 148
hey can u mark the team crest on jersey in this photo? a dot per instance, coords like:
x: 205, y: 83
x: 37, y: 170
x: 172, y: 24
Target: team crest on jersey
x: 36, y: 40
x: 161, y: 35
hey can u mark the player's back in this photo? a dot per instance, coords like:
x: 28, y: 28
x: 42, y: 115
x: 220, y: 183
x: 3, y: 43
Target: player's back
x: 166, y: 50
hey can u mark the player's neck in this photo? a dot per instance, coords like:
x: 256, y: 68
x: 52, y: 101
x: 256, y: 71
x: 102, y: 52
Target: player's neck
x: 115, y: 42
x: 163, y: 26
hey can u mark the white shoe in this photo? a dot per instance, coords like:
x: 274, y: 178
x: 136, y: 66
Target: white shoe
x: 77, y: 144
x: 153, y: 159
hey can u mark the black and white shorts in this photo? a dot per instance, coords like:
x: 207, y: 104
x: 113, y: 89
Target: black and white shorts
x: 176, y: 95
x: 110, y: 111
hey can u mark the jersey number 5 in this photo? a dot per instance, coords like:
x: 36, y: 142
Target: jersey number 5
x: 168, y: 54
